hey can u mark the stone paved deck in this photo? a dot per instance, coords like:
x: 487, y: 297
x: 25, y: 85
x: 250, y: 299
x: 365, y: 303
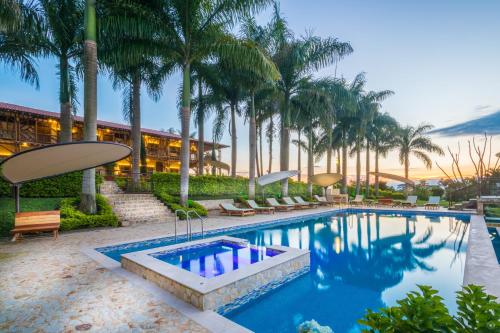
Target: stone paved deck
x: 49, y: 285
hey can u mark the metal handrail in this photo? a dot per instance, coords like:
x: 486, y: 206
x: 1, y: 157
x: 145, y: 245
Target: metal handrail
x: 188, y: 223
x: 202, y: 221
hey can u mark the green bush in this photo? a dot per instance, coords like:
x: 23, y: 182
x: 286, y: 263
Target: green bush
x: 212, y: 187
x: 424, y: 311
x: 68, y: 185
x: 72, y: 218
x: 173, y: 204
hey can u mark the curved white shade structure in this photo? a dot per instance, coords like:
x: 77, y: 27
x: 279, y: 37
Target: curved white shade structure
x: 326, y: 179
x: 276, y: 176
x: 394, y: 177
x: 58, y: 159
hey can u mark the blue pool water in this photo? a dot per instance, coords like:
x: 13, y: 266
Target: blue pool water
x: 359, y: 260
x: 495, y: 239
x: 214, y: 259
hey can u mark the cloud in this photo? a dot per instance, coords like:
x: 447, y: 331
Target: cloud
x: 489, y: 124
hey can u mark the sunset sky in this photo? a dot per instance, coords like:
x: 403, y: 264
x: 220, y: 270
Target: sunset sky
x: 440, y: 57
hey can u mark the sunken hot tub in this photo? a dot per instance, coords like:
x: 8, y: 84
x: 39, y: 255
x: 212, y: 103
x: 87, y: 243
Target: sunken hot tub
x: 218, y: 273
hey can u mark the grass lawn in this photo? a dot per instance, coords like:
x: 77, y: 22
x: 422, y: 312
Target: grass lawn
x: 7, y: 209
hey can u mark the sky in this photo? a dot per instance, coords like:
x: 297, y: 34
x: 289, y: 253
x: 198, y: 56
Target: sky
x: 440, y: 57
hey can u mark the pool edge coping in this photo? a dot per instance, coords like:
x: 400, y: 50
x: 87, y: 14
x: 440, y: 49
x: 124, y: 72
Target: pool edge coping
x: 481, y: 263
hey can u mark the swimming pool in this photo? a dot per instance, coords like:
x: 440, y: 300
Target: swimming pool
x: 359, y: 259
x: 495, y: 239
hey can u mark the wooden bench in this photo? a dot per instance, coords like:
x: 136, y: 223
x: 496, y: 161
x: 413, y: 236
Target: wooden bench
x: 30, y: 222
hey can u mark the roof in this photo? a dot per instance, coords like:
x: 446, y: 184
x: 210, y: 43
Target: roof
x: 102, y: 123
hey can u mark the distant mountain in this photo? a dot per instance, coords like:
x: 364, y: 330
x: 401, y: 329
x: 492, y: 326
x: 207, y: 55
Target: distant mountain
x: 489, y: 124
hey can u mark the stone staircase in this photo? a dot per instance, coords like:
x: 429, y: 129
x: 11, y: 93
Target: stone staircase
x: 135, y: 208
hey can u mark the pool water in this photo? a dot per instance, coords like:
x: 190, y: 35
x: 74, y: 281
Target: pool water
x: 214, y: 259
x: 495, y: 239
x: 359, y: 260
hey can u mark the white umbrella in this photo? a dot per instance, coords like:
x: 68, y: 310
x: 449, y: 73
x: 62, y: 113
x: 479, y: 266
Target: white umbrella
x: 276, y: 176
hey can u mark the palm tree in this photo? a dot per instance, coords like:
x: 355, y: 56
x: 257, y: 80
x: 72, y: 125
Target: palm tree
x: 20, y: 33
x: 381, y: 136
x: 63, y: 20
x: 411, y: 140
x: 296, y: 59
x: 87, y: 199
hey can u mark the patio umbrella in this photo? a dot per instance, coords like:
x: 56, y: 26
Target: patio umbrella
x: 394, y: 177
x: 218, y: 164
x: 58, y: 159
x: 326, y: 179
x: 276, y: 176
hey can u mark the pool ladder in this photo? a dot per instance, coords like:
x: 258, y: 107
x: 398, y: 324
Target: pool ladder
x: 187, y: 214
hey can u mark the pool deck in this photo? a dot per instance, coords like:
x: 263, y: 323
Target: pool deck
x: 481, y: 264
x: 54, y: 285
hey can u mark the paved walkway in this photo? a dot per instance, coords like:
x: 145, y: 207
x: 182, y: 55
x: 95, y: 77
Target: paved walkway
x: 51, y: 286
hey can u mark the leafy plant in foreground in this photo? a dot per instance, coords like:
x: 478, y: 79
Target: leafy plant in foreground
x: 424, y: 311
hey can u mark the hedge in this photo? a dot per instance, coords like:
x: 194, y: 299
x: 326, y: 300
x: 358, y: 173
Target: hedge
x: 172, y: 203
x: 72, y: 218
x: 68, y: 185
x: 212, y: 187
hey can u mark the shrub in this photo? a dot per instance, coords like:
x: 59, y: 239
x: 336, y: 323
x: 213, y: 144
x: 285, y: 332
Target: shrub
x: 424, y: 311
x: 173, y: 204
x: 72, y: 218
x: 211, y: 187
x: 68, y: 185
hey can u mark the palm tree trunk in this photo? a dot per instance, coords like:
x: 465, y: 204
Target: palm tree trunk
x: 270, y: 138
x: 407, y: 171
x: 201, y: 130
x: 88, y: 196
x: 299, y: 160
x: 257, y: 158
x: 185, y: 146
x: 233, y: 140
x: 66, y: 109
x: 285, y: 144
x: 358, y: 168
x: 367, y: 181
x: 329, y: 153
x: 338, y: 160
x: 376, y: 172
x: 136, y: 129
x: 344, y: 164
x: 260, y: 151
x: 310, y: 164
x: 252, y: 137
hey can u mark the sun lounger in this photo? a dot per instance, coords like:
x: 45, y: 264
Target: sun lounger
x: 433, y: 202
x: 358, y: 200
x: 411, y: 201
x: 279, y: 207
x: 322, y: 200
x: 32, y: 222
x: 231, y: 210
x: 302, y: 201
x: 260, y: 209
x: 297, y: 205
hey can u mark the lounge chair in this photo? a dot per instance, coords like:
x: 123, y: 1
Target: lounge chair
x: 433, y: 202
x: 231, y: 210
x: 385, y: 202
x: 260, y: 209
x: 358, y: 200
x: 279, y: 207
x: 302, y: 201
x: 297, y: 205
x: 322, y: 200
x: 411, y: 201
